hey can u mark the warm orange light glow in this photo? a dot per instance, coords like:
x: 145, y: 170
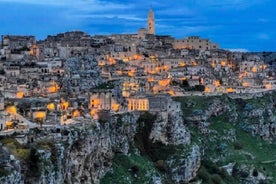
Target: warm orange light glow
x: 101, y: 63
x: 53, y: 88
x: 157, y: 69
x: 125, y: 60
x: 241, y: 75
x: 182, y: 64
x: 20, y: 94
x: 76, y: 113
x: 33, y: 50
x: 152, y: 57
x: 93, y: 112
x: 171, y: 92
x: 9, y: 124
x: 164, y: 82
x: 151, y: 72
x: 213, y: 65
x: 223, y: 63
x: 268, y: 86
x: 111, y: 61
x: 263, y: 67
x: 11, y: 109
x: 217, y: 83
x: 95, y: 102
x: 115, y: 107
x: 254, y: 69
x: 207, y: 90
x: 245, y: 84
x: 140, y: 104
x: 184, y: 78
x: 130, y: 86
x: 165, y: 67
x: 119, y: 72
x: 125, y: 93
x: 39, y: 115
x: 64, y: 105
x: 230, y: 90
x: 131, y: 73
x: 150, y: 79
x: 51, y: 106
x: 137, y: 57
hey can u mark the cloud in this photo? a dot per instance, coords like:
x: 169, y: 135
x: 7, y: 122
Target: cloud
x: 238, y: 50
x: 112, y: 16
x: 41, y: 2
x: 226, y: 4
x: 83, y: 5
x: 177, y: 11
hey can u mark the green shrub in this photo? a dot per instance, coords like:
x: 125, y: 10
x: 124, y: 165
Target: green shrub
x: 237, y: 146
x: 34, y: 163
x: 203, y: 174
x: 160, y: 165
x: 216, y: 179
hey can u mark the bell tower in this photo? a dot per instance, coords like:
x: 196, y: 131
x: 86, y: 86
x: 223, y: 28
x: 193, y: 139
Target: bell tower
x: 151, y: 22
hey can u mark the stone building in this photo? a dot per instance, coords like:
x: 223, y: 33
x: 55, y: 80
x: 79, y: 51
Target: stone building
x: 162, y: 102
x: 138, y: 103
x: 195, y: 42
x: 12, y: 70
x: 16, y: 43
x: 102, y: 100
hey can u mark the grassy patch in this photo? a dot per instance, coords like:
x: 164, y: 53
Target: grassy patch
x: 130, y: 168
x: 210, y: 173
x: 19, y: 151
x: 252, y: 150
x: 246, y: 149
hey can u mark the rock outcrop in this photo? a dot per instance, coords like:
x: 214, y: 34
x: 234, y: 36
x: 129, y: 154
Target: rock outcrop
x: 83, y: 153
x: 169, y: 128
x: 183, y: 166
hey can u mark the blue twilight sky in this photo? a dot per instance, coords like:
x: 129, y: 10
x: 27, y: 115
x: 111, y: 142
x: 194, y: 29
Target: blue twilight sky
x: 234, y: 24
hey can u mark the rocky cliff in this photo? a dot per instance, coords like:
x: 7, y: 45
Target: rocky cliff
x: 211, y: 140
x: 237, y: 131
x: 83, y: 153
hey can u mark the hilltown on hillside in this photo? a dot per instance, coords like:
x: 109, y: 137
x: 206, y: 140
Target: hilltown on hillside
x: 74, y: 76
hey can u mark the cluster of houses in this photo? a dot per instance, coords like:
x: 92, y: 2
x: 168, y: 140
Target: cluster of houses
x: 74, y: 75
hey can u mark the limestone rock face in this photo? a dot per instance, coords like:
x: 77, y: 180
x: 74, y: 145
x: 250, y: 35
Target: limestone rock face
x: 83, y: 153
x: 13, y: 177
x: 183, y: 167
x: 169, y: 128
x: 260, y: 121
x: 78, y: 154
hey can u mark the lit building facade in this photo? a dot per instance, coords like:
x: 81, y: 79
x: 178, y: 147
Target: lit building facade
x: 138, y: 104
